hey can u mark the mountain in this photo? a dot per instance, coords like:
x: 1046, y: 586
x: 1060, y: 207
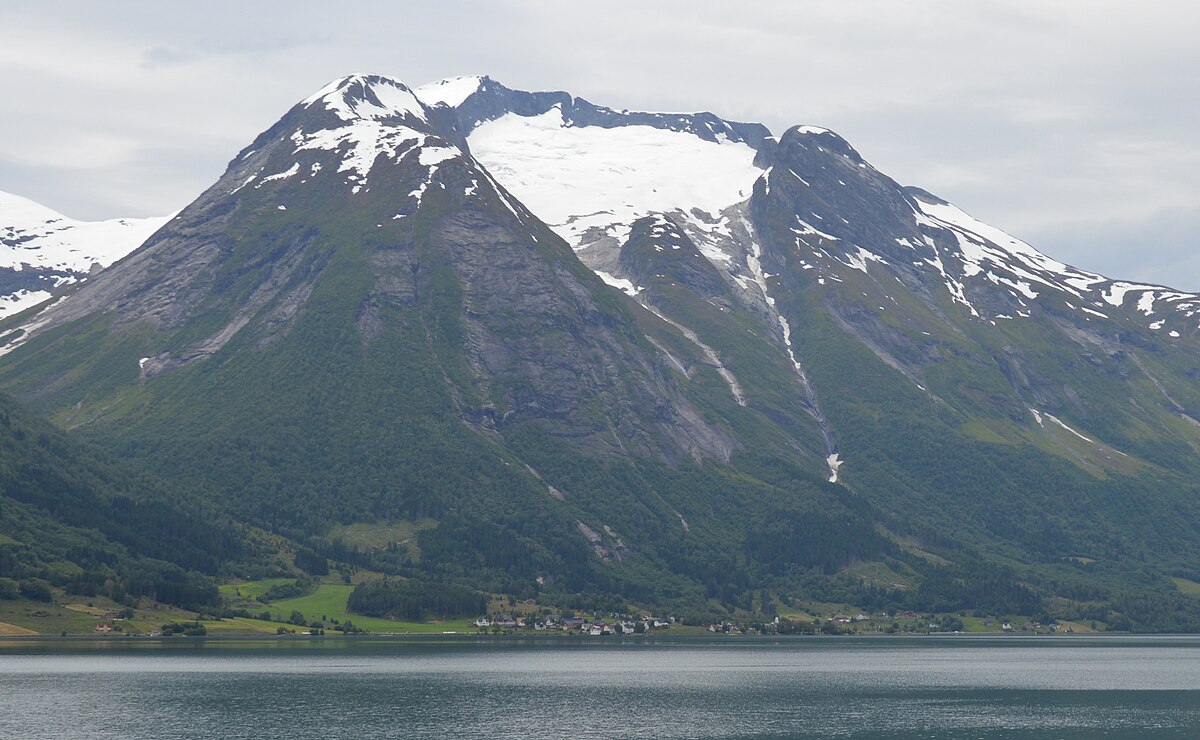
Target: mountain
x: 356, y: 323
x: 41, y: 250
x: 576, y: 353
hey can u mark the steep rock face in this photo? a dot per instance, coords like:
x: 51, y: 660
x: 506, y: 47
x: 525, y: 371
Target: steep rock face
x: 539, y: 334
x: 658, y: 250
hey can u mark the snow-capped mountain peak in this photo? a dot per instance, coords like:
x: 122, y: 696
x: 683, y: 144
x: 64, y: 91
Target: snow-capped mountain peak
x: 363, y: 120
x: 373, y: 97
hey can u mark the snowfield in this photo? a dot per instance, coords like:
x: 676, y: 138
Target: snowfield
x: 578, y: 178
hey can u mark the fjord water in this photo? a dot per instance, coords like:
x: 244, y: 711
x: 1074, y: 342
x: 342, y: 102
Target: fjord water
x: 921, y: 688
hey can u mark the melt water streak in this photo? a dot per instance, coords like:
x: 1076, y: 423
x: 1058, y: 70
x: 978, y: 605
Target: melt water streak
x: 720, y: 688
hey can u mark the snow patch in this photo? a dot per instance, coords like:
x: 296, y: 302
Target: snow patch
x: 279, y: 176
x: 1059, y: 422
x: 1115, y: 295
x: 30, y: 328
x: 803, y: 228
x: 834, y: 461
x: 21, y: 300
x: 859, y: 260
x: 452, y: 91
x: 245, y: 182
x: 621, y: 284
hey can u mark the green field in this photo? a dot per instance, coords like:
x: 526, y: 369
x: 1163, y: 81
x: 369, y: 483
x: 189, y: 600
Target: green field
x: 252, y: 589
x: 1185, y: 586
x: 81, y: 618
x: 240, y: 625
x: 328, y: 602
x: 379, y: 535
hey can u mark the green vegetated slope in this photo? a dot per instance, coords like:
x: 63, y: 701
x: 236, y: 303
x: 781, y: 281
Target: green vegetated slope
x: 71, y: 517
x: 966, y: 431
x: 1008, y: 508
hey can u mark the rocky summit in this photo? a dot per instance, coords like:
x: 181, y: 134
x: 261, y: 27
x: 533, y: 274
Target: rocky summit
x: 582, y: 354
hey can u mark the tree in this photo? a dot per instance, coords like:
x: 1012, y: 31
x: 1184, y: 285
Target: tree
x: 37, y: 590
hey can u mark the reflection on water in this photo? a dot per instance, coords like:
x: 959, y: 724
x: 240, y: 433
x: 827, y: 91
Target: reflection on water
x: 933, y: 688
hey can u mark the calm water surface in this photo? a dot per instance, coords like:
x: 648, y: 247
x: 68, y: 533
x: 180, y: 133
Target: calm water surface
x: 1074, y: 687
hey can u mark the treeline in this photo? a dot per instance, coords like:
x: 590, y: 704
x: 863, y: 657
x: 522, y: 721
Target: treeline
x: 786, y: 540
x: 980, y: 588
x: 414, y: 601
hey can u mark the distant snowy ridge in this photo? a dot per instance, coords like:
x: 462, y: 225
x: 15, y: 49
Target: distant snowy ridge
x: 1014, y: 265
x: 40, y: 249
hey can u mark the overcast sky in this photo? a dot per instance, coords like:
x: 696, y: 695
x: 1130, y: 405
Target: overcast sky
x: 1072, y: 124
